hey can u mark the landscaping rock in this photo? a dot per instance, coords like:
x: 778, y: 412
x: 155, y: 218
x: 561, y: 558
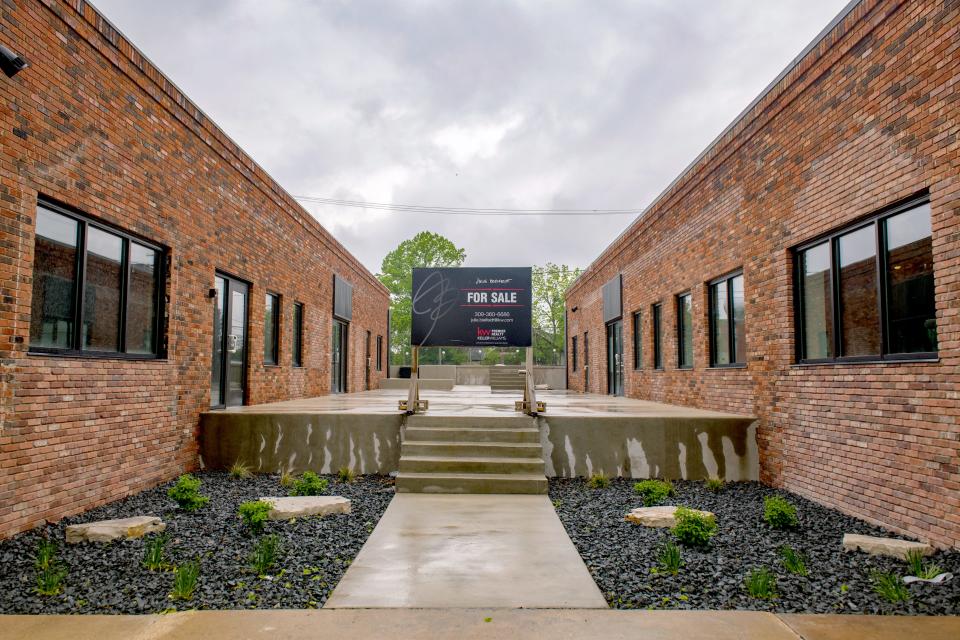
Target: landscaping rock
x: 892, y: 547
x: 663, y: 516
x: 285, y: 508
x: 109, y: 530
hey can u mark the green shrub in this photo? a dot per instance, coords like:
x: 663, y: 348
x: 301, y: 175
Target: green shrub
x: 715, y: 484
x: 920, y: 568
x: 309, y: 484
x: 254, y: 513
x: 670, y: 558
x: 760, y: 583
x: 653, y: 491
x: 240, y: 470
x: 46, y: 554
x: 793, y: 561
x: 346, y: 474
x: 186, y: 493
x: 185, y: 580
x: 890, y: 587
x: 154, y: 557
x: 50, y: 573
x: 693, y: 529
x: 265, y: 554
x: 778, y: 513
x: 598, y: 481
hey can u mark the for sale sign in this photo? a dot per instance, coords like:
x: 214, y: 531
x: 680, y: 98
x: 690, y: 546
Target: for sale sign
x: 471, y: 307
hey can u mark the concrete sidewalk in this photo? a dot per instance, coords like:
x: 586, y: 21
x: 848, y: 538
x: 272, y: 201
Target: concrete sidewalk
x: 475, y: 624
x: 435, y: 550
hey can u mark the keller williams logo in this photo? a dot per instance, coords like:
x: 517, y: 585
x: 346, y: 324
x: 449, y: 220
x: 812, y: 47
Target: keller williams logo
x: 483, y: 332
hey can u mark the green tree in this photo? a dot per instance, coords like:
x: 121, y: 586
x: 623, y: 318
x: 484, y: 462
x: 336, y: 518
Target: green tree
x: 425, y: 249
x: 550, y: 284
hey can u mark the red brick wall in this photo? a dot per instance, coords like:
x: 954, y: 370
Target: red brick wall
x: 869, y: 117
x: 95, y: 126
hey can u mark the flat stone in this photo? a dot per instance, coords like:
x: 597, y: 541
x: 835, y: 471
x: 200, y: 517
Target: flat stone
x: 285, y: 508
x: 893, y: 547
x: 108, y: 530
x: 662, y: 516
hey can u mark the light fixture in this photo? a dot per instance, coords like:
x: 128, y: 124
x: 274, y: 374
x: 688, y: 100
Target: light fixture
x: 11, y: 63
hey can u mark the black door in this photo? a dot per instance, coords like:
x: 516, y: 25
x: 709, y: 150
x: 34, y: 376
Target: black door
x: 338, y: 383
x: 369, y: 361
x: 586, y: 362
x: 228, y: 379
x: 615, y: 358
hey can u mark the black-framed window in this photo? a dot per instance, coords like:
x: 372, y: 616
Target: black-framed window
x: 573, y: 353
x: 637, y: 341
x: 379, y: 353
x: 97, y: 291
x: 271, y: 329
x: 684, y: 331
x: 656, y: 317
x: 728, y: 342
x: 866, y: 292
x: 298, y: 334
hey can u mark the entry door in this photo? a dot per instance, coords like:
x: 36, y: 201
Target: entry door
x: 228, y: 379
x: 367, y: 356
x: 339, y: 365
x: 615, y: 358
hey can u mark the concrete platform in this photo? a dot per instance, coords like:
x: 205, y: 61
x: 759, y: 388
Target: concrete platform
x: 468, y: 551
x: 477, y: 624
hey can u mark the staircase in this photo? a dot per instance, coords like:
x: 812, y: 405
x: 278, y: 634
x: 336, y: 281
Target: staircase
x: 506, y: 379
x: 471, y: 454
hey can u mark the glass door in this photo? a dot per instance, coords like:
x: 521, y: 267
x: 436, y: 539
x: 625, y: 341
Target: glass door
x: 228, y: 376
x: 338, y: 383
x: 368, y: 359
x: 615, y: 358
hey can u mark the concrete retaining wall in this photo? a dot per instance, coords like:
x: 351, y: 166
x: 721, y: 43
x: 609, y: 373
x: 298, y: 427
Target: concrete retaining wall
x: 472, y: 374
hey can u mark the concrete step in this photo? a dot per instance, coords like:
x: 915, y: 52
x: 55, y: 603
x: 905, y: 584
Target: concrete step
x: 471, y: 434
x: 471, y: 448
x: 534, y: 483
x: 509, y: 421
x: 473, y: 464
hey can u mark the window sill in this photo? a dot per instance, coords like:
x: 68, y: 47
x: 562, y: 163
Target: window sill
x: 736, y: 365
x: 77, y: 355
x: 856, y: 363
x: 270, y: 366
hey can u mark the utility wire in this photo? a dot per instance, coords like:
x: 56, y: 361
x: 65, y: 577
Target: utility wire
x: 465, y: 211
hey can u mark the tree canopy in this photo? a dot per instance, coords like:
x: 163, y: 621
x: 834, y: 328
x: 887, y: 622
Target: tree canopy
x: 550, y: 284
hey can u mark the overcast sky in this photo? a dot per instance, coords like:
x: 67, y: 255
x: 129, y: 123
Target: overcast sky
x: 476, y: 103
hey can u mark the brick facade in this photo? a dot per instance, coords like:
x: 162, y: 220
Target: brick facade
x: 93, y: 125
x: 868, y: 117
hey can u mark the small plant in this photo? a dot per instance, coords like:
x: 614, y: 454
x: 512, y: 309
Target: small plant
x: 50, y: 573
x: 889, y: 586
x: 653, y: 491
x: 309, y: 484
x: 346, y: 474
x: 693, y: 529
x: 186, y: 493
x: 287, y: 479
x: 557, y: 503
x: 185, y: 580
x: 46, y: 554
x: 154, y: 557
x: 254, y: 513
x: 793, y: 561
x: 598, y: 481
x: 762, y: 584
x: 778, y: 513
x: 265, y: 554
x: 920, y: 568
x: 670, y: 558
x: 715, y: 484
x: 239, y: 470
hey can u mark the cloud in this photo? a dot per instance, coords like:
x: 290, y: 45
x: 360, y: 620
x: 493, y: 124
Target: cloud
x: 473, y: 104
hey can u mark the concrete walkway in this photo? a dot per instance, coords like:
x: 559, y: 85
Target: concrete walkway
x: 474, y: 624
x: 469, y: 551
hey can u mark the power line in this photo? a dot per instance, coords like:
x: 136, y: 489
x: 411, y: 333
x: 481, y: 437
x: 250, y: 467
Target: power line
x: 465, y: 211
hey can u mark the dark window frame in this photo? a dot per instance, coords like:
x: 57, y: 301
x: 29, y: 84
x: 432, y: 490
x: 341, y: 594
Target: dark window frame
x: 379, y: 353
x: 731, y: 321
x: 680, y: 333
x: 636, y: 325
x: 277, y: 324
x: 573, y: 350
x: 297, y: 346
x: 656, y: 326
x: 84, y: 222
x: 832, y: 238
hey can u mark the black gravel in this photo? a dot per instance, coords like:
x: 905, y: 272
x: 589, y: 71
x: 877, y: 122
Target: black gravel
x: 622, y: 557
x: 110, y: 578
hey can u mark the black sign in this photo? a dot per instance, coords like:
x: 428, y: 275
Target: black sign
x: 471, y: 307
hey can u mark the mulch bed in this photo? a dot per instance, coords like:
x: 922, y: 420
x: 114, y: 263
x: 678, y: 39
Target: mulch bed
x: 110, y: 577
x: 622, y: 557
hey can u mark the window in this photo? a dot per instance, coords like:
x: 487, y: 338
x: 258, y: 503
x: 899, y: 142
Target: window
x: 728, y: 345
x: 573, y: 352
x: 379, y: 353
x: 656, y: 314
x: 684, y: 331
x: 637, y: 342
x: 96, y: 291
x: 867, y: 291
x: 298, y: 334
x: 271, y: 329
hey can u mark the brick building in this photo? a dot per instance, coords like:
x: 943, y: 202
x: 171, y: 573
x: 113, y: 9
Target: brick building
x: 805, y: 269
x: 150, y: 270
